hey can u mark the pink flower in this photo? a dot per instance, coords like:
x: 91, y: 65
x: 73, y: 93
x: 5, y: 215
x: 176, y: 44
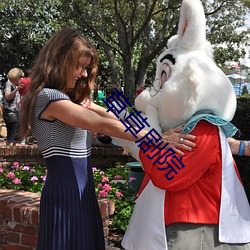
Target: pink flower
x: 11, y: 175
x: 107, y: 187
x: 17, y: 181
x: 118, y: 194
x: 102, y: 193
x: 94, y: 170
x: 131, y: 179
x: 26, y: 168
x: 34, y: 178
x: 99, y: 185
x: 32, y: 170
x: 43, y: 178
x: 15, y: 165
x: 117, y: 177
x: 1, y: 170
x: 105, y: 179
x: 102, y: 173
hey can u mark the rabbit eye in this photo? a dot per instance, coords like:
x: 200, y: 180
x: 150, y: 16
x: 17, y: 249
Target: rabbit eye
x: 165, y: 73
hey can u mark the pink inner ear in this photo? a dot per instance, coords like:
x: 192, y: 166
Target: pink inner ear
x: 184, y: 28
x: 164, y: 78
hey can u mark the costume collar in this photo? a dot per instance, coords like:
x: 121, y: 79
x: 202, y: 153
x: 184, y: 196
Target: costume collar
x: 228, y: 128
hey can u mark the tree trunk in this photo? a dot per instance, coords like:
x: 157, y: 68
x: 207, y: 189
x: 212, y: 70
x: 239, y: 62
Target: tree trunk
x: 114, y: 71
x: 129, y: 80
x: 141, y: 74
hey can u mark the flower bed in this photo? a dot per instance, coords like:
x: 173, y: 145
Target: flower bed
x: 111, y: 184
x: 25, y: 178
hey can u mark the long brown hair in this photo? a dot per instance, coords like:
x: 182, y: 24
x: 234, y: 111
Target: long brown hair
x: 54, y: 68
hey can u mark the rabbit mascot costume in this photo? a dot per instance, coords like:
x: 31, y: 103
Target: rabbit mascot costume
x: 196, y: 201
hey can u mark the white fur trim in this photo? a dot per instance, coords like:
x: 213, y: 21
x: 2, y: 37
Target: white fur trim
x: 234, y: 224
x: 146, y: 230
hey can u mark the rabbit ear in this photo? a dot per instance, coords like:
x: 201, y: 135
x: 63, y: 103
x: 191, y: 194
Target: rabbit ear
x: 192, y: 25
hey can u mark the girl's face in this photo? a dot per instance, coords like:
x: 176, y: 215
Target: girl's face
x: 18, y: 79
x: 81, y: 71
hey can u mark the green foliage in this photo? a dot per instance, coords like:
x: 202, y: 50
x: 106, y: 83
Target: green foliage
x: 244, y: 90
x: 137, y: 31
x: 113, y: 184
x: 25, y: 27
x: 242, y: 117
x: 224, y: 18
x: 129, y: 35
x: 24, y: 178
x: 246, y: 3
x: 110, y: 184
x: 100, y: 103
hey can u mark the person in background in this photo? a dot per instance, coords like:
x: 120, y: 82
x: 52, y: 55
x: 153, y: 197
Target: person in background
x: 11, y: 105
x: 63, y: 77
x: 1, y: 100
x: 3, y: 80
x: 25, y: 82
x: 239, y: 147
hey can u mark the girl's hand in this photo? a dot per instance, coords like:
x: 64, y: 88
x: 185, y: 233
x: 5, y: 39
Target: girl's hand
x: 178, y: 141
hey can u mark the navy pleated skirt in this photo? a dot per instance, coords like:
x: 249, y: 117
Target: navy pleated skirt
x: 69, y: 213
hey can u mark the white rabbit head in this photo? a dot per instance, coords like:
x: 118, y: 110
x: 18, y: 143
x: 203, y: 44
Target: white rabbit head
x: 187, y: 79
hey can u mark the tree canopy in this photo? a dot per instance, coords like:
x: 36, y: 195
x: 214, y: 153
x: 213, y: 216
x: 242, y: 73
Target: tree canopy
x: 129, y: 34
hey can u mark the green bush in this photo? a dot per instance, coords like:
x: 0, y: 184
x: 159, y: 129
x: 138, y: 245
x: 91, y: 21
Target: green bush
x: 244, y: 90
x: 111, y: 184
x: 24, y: 178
